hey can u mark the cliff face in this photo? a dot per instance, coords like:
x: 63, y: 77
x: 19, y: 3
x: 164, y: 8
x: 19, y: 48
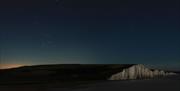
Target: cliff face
x: 139, y: 72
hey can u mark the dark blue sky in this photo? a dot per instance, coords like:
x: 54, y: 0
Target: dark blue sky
x: 90, y: 31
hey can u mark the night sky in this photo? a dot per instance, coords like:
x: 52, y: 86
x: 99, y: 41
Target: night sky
x: 36, y: 32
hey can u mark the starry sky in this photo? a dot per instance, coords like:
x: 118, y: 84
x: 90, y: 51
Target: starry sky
x: 36, y: 32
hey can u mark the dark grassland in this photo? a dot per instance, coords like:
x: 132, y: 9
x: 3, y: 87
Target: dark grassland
x: 86, y: 77
x: 62, y: 72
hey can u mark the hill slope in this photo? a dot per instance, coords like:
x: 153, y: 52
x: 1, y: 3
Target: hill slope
x: 78, y: 72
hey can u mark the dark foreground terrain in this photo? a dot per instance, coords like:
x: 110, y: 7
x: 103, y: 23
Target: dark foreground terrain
x: 163, y: 84
x: 79, y: 78
x: 61, y: 72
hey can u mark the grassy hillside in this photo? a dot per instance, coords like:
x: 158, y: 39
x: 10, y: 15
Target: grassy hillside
x: 61, y: 72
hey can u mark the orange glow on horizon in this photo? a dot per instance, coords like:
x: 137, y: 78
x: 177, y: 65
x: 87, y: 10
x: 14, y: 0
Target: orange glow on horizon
x: 8, y: 66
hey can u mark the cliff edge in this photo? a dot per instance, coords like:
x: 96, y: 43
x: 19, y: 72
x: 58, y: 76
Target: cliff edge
x: 139, y: 71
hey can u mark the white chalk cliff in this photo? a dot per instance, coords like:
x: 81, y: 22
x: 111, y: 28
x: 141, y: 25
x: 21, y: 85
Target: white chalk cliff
x: 139, y: 71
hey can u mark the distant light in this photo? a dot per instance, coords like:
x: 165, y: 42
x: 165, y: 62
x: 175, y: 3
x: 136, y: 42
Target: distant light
x: 8, y: 66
